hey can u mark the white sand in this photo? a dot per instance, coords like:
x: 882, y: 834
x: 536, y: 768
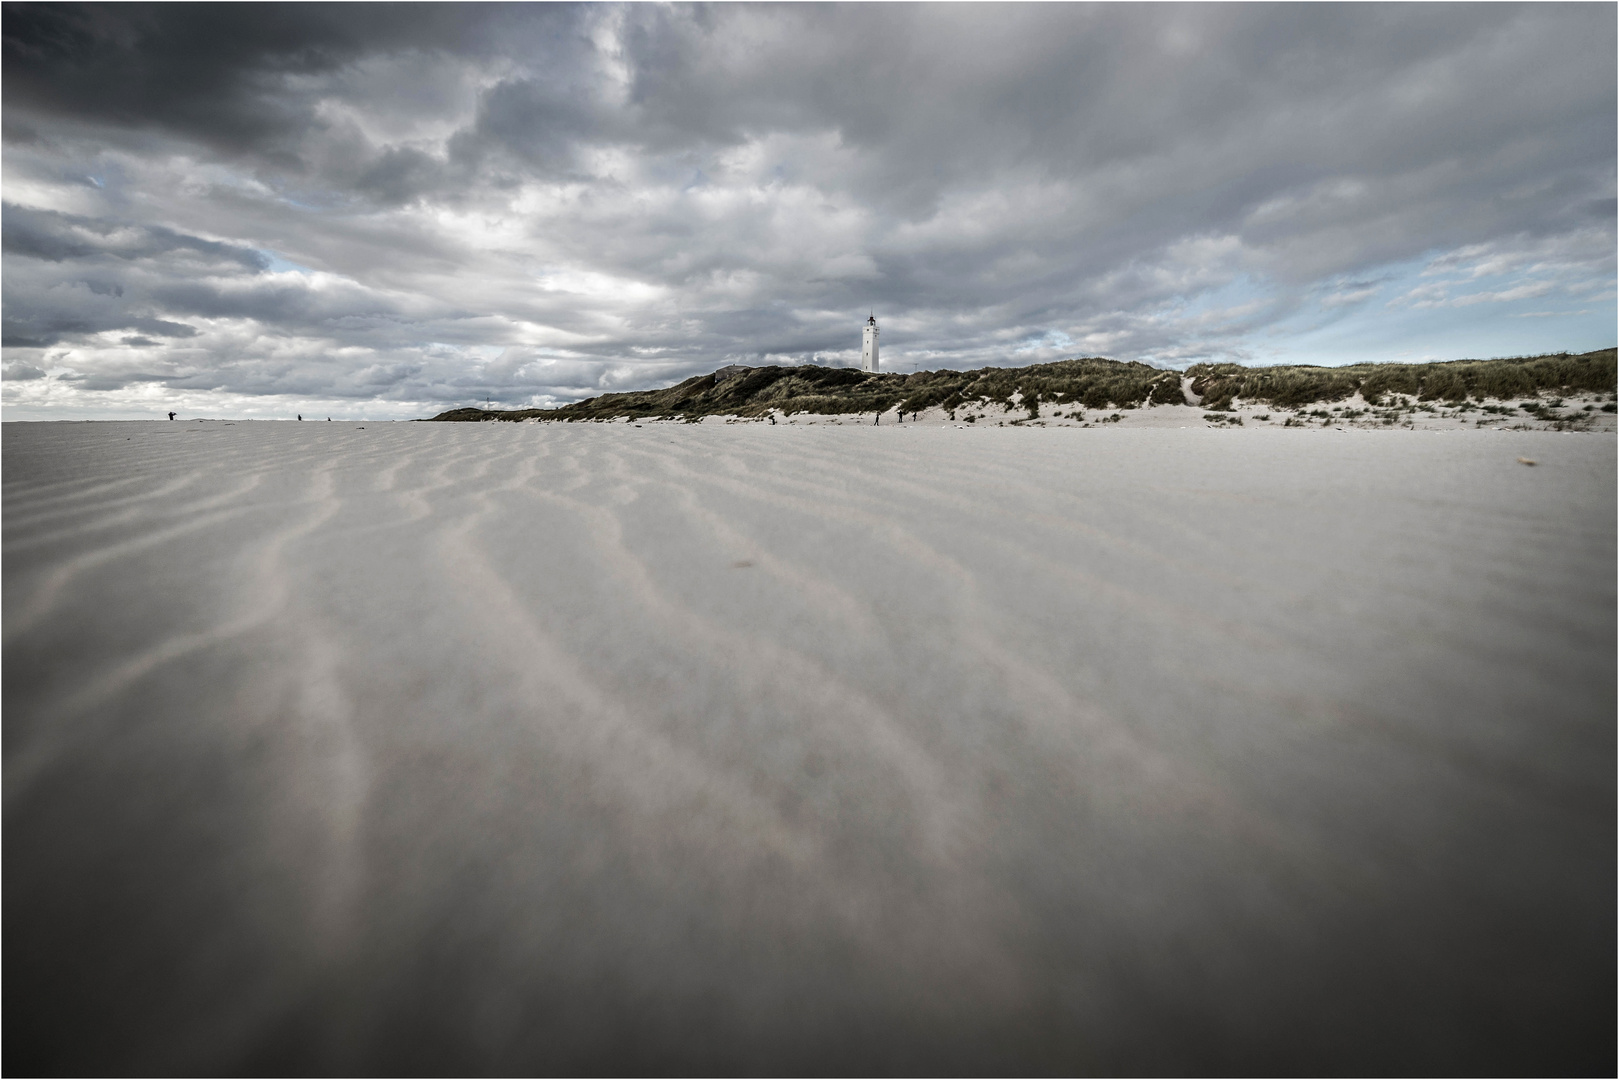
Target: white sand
x: 710, y: 748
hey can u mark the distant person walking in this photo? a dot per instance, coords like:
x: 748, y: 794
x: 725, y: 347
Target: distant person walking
x: 300, y: 417
x: 171, y: 416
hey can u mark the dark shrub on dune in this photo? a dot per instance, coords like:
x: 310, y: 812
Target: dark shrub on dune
x: 1167, y: 391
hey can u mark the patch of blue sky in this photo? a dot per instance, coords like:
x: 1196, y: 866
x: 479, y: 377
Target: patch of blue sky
x: 108, y: 177
x: 1237, y: 302
x: 276, y: 263
x: 1406, y: 312
x: 298, y: 203
x: 1044, y: 342
x: 1215, y: 324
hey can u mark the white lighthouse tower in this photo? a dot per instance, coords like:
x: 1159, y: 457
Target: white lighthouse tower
x: 868, y: 346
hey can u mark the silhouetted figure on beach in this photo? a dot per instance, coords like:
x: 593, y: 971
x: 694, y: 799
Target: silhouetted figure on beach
x: 300, y: 417
x: 171, y: 416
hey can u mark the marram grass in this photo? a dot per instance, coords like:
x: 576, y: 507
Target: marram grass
x: 1092, y: 383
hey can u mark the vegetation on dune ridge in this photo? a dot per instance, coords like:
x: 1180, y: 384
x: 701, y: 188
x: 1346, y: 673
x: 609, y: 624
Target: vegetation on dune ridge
x: 1094, y: 383
x: 1452, y: 380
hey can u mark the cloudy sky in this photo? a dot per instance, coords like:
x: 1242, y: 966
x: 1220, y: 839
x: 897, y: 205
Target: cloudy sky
x: 373, y: 211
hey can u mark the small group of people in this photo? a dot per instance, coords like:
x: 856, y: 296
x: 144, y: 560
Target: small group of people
x: 300, y: 416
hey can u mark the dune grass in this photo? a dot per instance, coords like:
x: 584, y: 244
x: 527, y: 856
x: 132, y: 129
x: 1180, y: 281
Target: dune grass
x: 1451, y: 381
x: 1092, y: 383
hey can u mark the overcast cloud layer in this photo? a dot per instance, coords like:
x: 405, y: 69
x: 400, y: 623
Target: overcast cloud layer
x: 379, y: 211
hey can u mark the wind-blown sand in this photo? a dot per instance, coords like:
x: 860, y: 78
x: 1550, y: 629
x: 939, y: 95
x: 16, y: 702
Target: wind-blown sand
x: 709, y: 748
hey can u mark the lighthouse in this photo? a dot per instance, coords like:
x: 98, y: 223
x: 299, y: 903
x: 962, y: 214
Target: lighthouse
x: 868, y: 345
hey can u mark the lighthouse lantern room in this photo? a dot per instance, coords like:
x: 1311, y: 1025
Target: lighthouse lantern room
x: 868, y: 345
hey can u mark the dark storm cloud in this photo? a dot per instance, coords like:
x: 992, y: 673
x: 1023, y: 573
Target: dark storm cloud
x: 535, y: 202
x: 215, y: 72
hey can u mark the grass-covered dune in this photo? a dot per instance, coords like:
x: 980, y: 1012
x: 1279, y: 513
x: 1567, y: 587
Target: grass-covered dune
x: 1093, y: 383
x: 1456, y: 380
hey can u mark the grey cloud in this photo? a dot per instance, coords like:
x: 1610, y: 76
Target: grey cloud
x: 399, y: 174
x: 614, y: 195
x: 164, y: 328
x: 105, y: 380
x: 59, y: 237
x: 127, y: 270
x: 46, y: 323
x: 21, y: 372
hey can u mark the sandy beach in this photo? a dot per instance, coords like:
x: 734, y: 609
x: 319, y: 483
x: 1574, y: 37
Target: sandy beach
x: 708, y: 748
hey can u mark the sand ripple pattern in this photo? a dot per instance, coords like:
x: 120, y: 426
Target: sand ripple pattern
x: 718, y: 748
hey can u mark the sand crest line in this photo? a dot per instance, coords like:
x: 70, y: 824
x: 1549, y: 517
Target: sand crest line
x: 266, y: 590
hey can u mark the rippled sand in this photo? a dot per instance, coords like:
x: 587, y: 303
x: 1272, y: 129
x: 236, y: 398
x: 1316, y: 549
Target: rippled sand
x: 712, y: 748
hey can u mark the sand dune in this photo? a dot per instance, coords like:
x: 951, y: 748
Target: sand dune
x: 719, y: 748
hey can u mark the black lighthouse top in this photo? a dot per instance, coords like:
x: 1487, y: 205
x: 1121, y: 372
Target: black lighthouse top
x: 872, y: 321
